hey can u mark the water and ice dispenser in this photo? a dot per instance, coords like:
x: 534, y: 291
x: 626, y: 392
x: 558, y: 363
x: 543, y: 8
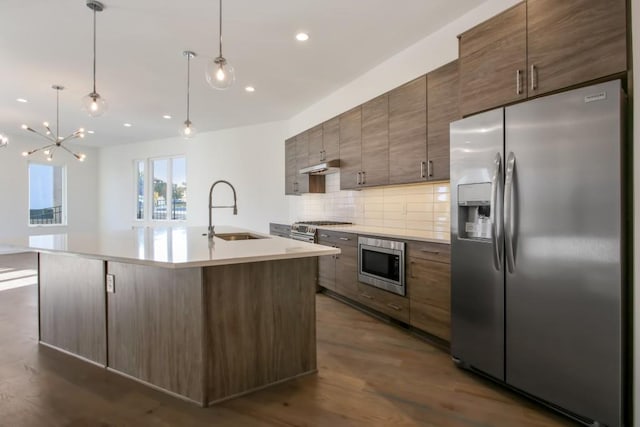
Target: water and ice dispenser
x: 474, y: 211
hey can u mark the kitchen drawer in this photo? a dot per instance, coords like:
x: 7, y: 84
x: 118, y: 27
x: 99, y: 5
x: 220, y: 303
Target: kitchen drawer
x: 337, y: 238
x: 439, y: 252
x: 392, y: 305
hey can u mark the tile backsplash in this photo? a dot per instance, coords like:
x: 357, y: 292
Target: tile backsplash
x: 416, y: 207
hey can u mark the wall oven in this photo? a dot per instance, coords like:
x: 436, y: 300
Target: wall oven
x: 381, y: 264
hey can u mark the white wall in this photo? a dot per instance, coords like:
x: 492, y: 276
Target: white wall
x: 82, y: 190
x: 251, y: 158
x: 429, y: 53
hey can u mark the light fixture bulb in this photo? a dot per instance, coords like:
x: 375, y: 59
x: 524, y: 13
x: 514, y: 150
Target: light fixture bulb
x: 82, y: 157
x: 25, y: 153
x: 220, y: 74
x: 94, y: 105
x: 4, y: 140
x: 25, y: 127
x: 302, y: 37
x: 46, y: 152
x: 187, y: 130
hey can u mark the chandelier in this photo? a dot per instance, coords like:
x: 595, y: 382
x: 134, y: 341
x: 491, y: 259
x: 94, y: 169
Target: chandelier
x: 55, y: 142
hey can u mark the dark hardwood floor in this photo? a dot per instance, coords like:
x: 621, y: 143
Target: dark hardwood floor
x: 370, y: 374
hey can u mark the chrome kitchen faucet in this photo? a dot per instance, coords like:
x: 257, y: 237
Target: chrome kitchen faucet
x: 211, y: 233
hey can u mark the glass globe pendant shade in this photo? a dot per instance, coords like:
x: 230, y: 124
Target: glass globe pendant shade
x: 188, y: 131
x: 94, y: 105
x: 220, y: 74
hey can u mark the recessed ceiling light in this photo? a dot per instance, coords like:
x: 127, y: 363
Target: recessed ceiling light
x: 302, y: 37
x: 91, y: 132
x: 166, y: 116
x: 250, y: 89
x: 21, y: 100
x: 127, y: 125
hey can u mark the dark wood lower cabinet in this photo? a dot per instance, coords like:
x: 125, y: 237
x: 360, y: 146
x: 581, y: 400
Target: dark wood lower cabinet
x: 426, y: 305
x: 391, y: 304
x: 347, y: 272
x: 429, y: 285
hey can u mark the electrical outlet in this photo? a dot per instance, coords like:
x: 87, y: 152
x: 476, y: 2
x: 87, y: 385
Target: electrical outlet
x: 111, y: 284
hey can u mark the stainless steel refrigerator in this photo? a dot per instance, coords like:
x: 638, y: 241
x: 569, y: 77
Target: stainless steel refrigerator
x: 537, y: 249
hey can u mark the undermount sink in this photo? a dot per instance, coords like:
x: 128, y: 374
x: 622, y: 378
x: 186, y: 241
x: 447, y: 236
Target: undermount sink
x: 239, y: 236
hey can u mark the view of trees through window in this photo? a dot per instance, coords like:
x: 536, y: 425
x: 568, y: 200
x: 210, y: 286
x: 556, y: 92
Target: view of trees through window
x: 165, y: 174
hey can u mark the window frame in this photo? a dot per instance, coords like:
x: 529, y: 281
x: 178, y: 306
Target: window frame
x: 148, y: 189
x: 64, y: 204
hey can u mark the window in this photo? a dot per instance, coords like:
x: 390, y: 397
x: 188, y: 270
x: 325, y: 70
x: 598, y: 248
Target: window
x: 140, y: 189
x: 167, y: 181
x: 47, y: 194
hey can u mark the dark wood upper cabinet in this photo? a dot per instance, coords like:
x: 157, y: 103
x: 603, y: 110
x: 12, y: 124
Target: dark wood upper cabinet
x: 375, y: 142
x: 296, y: 155
x: 331, y: 139
x: 302, y: 160
x: 574, y: 41
x: 315, y: 145
x: 540, y: 46
x: 442, y: 109
x: 350, y: 148
x: 408, y: 132
x: 290, y: 168
x: 493, y: 61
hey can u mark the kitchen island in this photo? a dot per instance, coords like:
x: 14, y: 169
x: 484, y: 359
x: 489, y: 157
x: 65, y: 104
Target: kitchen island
x: 203, y: 320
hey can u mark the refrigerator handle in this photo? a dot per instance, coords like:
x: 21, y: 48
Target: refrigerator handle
x: 508, y: 212
x: 495, y: 183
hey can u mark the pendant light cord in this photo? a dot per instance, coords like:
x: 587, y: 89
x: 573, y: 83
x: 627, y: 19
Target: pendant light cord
x: 188, y: 81
x: 220, y: 18
x: 57, y: 115
x: 94, y: 50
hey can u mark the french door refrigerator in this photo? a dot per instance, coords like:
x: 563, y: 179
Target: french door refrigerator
x: 537, y: 249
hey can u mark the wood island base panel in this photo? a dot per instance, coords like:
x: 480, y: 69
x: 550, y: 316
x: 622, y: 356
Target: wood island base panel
x: 203, y: 333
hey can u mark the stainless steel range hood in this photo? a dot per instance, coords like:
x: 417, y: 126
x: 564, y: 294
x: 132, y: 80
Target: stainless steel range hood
x: 324, y: 168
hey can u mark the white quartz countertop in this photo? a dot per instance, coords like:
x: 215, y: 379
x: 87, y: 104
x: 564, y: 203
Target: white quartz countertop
x: 175, y: 247
x: 395, y: 233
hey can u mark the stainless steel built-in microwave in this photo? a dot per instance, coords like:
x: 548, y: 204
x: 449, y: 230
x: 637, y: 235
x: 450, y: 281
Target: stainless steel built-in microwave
x: 381, y: 264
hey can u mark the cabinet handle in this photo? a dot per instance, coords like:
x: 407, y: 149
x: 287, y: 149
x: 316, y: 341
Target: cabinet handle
x: 358, y: 179
x: 295, y: 187
x: 395, y: 307
x: 411, y: 263
x: 345, y: 238
x: 364, y: 177
x: 430, y: 251
x: 518, y: 82
x: 430, y: 168
x: 362, y: 294
x: 422, y: 165
x: 534, y: 78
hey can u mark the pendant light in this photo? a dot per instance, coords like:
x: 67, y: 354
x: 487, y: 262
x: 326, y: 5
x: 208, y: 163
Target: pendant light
x: 220, y: 74
x: 55, y: 142
x: 188, y: 131
x: 94, y: 104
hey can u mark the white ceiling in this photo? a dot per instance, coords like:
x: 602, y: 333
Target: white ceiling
x: 141, y: 71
